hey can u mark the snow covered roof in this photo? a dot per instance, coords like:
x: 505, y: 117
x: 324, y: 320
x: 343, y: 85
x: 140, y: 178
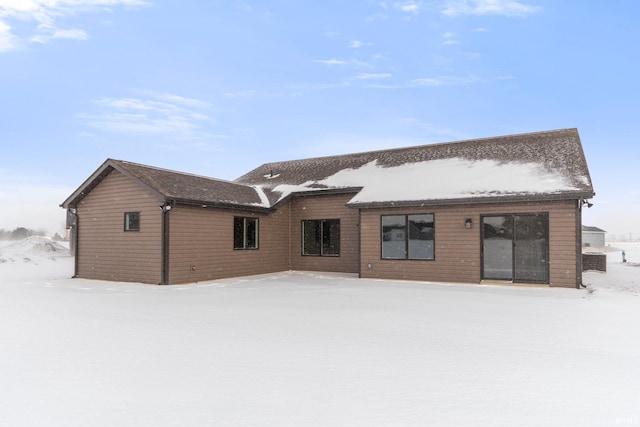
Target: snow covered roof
x: 532, y: 166
x: 541, y: 165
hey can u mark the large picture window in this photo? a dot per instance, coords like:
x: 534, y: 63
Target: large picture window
x: 321, y: 237
x: 245, y: 233
x: 408, y: 236
x: 132, y: 221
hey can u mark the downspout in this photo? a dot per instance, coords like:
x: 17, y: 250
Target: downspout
x: 72, y: 225
x: 359, y: 243
x: 290, y: 219
x: 75, y: 234
x: 164, y: 275
x: 579, y: 245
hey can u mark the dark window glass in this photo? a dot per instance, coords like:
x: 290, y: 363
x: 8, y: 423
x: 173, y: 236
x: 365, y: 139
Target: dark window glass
x: 251, y: 233
x: 132, y: 221
x: 331, y: 237
x: 321, y: 237
x: 311, y: 237
x: 238, y: 233
x: 245, y: 233
x: 421, y: 236
x: 408, y: 236
x: 394, y: 236
x: 530, y: 254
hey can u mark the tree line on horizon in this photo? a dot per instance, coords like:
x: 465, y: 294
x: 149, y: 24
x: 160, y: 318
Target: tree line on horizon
x: 20, y: 233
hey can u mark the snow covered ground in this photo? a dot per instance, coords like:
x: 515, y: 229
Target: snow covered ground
x: 310, y: 349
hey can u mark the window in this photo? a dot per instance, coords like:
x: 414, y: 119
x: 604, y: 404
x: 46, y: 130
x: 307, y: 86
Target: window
x: 321, y: 237
x: 408, y: 236
x: 132, y: 221
x: 245, y: 233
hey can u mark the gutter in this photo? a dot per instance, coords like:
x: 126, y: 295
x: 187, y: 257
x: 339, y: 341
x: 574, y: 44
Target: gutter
x: 219, y: 205
x: 471, y: 200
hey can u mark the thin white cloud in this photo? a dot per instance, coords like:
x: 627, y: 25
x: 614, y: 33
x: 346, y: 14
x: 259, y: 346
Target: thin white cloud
x: 443, y: 81
x: 241, y: 94
x: 409, y: 6
x: 373, y: 76
x: 7, y: 40
x: 159, y: 113
x: 430, y: 81
x: 75, y: 34
x: 356, y: 44
x: 449, y: 39
x: 249, y: 93
x: 330, y: 62
x: 488, y: 7
x: 46, y: 15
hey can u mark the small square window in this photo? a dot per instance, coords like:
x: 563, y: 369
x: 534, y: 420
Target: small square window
x: 132, y: 221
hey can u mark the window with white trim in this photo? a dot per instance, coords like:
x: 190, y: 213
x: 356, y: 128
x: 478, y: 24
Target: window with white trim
x: 132, y: 221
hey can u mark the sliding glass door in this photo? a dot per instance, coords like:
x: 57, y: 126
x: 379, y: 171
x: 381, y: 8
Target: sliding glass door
x: 516, y: 248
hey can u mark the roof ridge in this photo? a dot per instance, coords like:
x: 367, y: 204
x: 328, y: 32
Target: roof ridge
x: 412, y: 147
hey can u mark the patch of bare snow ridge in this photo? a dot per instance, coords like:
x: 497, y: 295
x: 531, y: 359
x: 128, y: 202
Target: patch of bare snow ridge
x: 32, y: 249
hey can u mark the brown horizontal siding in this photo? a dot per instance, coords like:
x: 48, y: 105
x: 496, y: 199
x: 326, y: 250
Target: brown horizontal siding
x: 105, y: 250
x: 201, y: 239
x: 318, y: 207
x: 201, y: 244
x: 458, y: 250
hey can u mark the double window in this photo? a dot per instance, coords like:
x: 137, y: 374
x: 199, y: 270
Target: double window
x: 245, y: 233
x: 321, y: 237
x: 408, y: 236
x: 132, y: 221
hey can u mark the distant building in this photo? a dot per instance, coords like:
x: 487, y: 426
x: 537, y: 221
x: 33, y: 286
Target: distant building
x: 592, y: 236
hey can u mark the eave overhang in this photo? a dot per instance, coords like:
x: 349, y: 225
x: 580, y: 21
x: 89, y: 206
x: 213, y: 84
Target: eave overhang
x: 523, y: 198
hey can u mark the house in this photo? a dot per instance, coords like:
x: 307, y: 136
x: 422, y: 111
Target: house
x: 501, y: 210
x: 593, y: 237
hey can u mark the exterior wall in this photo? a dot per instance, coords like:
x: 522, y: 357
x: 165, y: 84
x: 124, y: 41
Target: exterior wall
x: 201, y: 244
x: 458, y: 250
x: 105, y: 251
x: 331, y: 206
x: 200, y: 240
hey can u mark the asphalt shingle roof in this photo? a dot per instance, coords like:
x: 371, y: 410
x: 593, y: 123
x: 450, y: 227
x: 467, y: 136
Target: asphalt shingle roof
x: 176, y: 186
x: 557, y: 152
x: 551, y: 156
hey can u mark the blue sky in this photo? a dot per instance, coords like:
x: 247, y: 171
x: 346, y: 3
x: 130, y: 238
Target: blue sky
x: 219, y: 87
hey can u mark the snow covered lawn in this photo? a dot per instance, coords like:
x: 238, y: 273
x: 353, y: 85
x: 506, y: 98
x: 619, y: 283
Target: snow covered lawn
x: 309, y: 349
